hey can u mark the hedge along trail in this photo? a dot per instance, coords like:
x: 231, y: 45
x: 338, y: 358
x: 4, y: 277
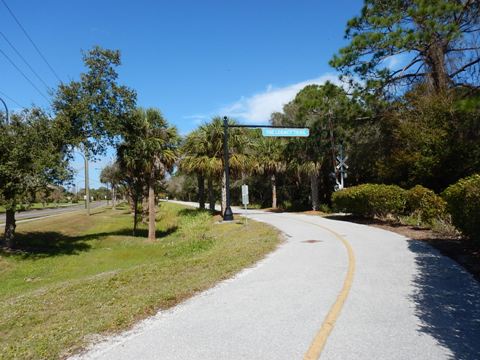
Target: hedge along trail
x: 371, y: 200
x: 378, y: 200
x: 463, y: 204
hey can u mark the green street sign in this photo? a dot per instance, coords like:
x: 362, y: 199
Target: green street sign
x: 286, y: 132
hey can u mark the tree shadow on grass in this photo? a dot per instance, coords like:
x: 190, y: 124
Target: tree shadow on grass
x: 447, y: 301
x: 195, y: 212
x: 143, y: 233
x: 42, y: 244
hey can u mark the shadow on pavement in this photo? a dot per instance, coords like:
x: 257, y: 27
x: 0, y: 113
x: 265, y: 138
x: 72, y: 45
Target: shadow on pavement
x: 364, y: 221
x: 447, y: 302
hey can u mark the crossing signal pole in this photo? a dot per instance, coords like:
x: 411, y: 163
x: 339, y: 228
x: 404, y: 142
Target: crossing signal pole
x: 341, y: 168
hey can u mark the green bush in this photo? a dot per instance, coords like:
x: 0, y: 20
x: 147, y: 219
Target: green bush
x: 463, y: 204
x: 324, y: 208
x: 425, y: 205
x: 370, y: 200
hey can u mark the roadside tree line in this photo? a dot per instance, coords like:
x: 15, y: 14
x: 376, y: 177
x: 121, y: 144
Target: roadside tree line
x: 89, y: 115
x: 405, y: 112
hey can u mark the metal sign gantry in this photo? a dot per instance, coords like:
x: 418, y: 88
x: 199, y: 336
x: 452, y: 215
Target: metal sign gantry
x: 271, y: 130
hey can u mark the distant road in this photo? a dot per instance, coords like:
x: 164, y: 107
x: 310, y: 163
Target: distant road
x: 41, y: 213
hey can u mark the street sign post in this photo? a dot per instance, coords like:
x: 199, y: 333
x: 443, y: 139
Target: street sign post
x: 267, y: 130
x: 245, y: 200
x: 286, y: 132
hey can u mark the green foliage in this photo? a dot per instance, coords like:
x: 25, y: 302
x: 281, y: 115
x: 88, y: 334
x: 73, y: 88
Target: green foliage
x: 324, y: 208
x: 463, y: 203
x: 425, y: 205
x: 269, y: 155
x: 426, y: 139
x: 326, y: 110
x: 32, y: 156
x: 111, y: 174
x: 370, y: 200
x: 429, y: 36
x: 182, y: 187
x: 149, y: 148
x: 202, y: 150
x: 93, y: 109
x: 147, y: 153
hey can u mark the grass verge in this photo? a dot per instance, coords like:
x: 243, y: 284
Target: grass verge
x: 76, y: 276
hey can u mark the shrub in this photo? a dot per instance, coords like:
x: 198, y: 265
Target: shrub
x: 463, y: 204
x: 370, y: 200
x: 324, y: 208
x: 425, y: 205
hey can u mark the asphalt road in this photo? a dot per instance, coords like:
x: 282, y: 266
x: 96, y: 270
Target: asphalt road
x: 41, y: 213
x: 333, y: 289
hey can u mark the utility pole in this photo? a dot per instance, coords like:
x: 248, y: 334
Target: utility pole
x: 87, y: 189
x: 6, y: 110
x: 87, y: 186
x: 228, y: 214
x: 106, y: 196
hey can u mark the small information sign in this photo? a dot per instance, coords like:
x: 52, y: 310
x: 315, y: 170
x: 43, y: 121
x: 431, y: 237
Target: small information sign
x: 245, y: 194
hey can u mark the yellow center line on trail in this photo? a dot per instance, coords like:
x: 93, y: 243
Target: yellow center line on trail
x: 320, y: 339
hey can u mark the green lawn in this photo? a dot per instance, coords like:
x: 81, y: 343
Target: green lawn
x: 79, y: 275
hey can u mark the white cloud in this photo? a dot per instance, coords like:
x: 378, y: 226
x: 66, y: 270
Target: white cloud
x: 258, y: 107
x: 395, y: 61
x: 198, y: 118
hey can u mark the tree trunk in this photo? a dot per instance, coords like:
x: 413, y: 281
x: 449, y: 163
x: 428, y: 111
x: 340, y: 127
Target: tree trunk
x: 211, y: 195
x: 438, y: 72
x: 224, y: 193
x: 201, y: 191
x: 314, y: 186
x: 274, y: 191
x: 131, y: 202
x: 10, y: 226
x: 144, y: 209
x: 135, y: 214
x: 114, y: 197
x: 151, y: 210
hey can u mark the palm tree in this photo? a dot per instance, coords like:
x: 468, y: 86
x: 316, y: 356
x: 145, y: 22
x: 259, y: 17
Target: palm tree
x: 111, y: 175
x: 310, y: 168
x: 237, y: 144
x: 194, y: 160
x: 150, y: 151
x: 269, y: 159
x: 131, y: 164
x: 203, y: 155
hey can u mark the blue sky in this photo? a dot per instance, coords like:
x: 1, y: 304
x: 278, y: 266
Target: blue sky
x: 191, y: 59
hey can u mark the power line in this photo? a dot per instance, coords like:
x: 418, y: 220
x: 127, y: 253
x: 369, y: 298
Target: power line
x: 23, y: 74
x: 12, y: 100
x: 24, y: 60
x: 31, y: 41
